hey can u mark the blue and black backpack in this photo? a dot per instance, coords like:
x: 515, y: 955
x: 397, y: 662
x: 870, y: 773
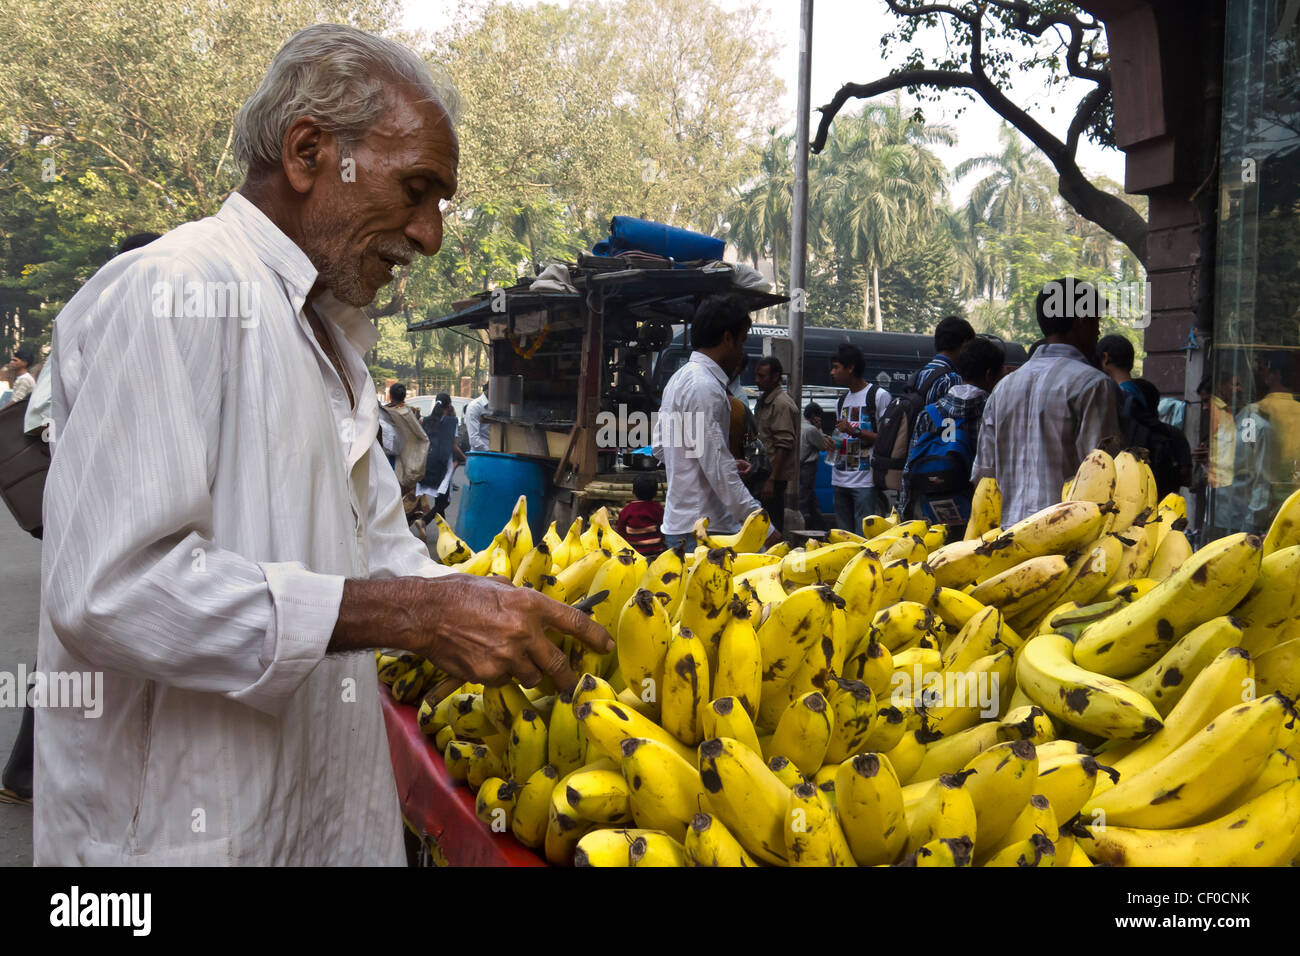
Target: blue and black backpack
x: 941, y: 459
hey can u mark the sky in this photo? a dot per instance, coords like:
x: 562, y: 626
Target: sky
x: 846, y: 49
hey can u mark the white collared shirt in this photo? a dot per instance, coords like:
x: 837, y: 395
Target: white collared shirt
x: 210, y: 490
x: 690, y: 438
x: 480, y: 432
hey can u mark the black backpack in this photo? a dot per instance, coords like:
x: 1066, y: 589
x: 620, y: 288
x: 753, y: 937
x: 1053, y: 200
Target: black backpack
x: 1168, y: 452
x: 894, y: 436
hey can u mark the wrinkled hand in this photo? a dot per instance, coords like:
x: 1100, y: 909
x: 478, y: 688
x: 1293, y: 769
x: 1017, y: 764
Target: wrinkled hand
x: 491, y: 632
x: 743, y: 467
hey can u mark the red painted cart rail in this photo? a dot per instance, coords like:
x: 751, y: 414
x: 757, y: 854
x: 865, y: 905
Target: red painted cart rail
x: 438, y: 808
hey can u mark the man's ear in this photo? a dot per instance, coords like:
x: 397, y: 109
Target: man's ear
x: 308, y: 151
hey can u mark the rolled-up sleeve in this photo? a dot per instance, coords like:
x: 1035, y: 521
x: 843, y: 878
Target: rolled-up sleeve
x: 131, y: 577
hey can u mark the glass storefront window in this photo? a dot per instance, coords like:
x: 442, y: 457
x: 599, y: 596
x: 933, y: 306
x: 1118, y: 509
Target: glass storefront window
x: 1251, y: 428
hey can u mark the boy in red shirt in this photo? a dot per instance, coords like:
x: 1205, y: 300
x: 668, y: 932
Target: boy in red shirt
x: 639, y: 521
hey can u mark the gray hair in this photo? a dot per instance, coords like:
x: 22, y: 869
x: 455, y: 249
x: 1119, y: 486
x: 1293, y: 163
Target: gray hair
x: 339, y: 75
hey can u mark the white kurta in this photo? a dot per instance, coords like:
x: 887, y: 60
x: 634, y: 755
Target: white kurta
x: 210, y: 490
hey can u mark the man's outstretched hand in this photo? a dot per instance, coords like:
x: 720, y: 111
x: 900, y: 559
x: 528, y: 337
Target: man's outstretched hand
x: 477, y: 629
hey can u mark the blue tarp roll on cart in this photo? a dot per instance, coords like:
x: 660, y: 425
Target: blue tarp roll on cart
x: 658, y: 239
x: 495, y: 483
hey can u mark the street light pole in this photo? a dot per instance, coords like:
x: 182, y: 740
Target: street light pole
x: 799, y: 215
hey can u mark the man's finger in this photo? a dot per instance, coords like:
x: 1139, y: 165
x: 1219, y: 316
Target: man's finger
x: 552, y: 662
x: 526, y: 673
x: 561, y: 617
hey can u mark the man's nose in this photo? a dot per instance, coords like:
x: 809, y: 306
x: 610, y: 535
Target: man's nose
x: 425, y: 230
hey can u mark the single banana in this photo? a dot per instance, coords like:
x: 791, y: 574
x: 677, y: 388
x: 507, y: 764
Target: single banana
x: 1284, y: 532
x: 739, y: 673
x: 785, y: 771
x: 1207, y: 585
x: 566, y: 747
x: 685, y: 687
x: 750, y: 538
x: 1055, y: 530
x: 650, y: 848
x: 1094, y: 480
x: 707, y: 592
x: 495, y: 804
x: 1037, y: 817
x: 946, y: 812
x: 503, y: 704
x: 643, y: 636
x: 1261, y: 832
x: 1092, y: 702
x: 853, y: 715
x: 1226, y: 681
x: 1277, y: 670
x: 803, y: 733
x: 576, y: 578
x: 869, y: 804
x: 1037, y: 851
x: 709, y: 843
x: 1273, y: 602
x: 483, y: 765
x: 789, y: 631
x: 535, y: 565
x: 449, y: 547
x: 665, y: 791
x: 813, y: 836
x: 1000, y: 781
x: 725, y: 717
x: 897, y: 625
x: 921, y: 584
x: 531, y: 806
x: 455, y: 757
x: 605, y: 849
x: 1170, y: 555
x: 1130, y: 495
x: 1200, y: 773
x: 943, y: 853
x: 1165, y: 681
x: 1068, y: 782
x: 823, y: 566
x: 860, y: 584
x: 608, y: 723
x: 526, y: 752
x: 599, y: 796
x: 746, y: 796
x: 985, y: 509
x: 954, y: 608
x: 872, y: 663
x: 665, y: 576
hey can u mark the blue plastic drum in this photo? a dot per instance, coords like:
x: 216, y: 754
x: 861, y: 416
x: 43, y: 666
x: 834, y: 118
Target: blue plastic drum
x: 495, y: 483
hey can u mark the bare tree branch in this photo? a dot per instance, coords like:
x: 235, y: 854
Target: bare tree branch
x: 1096, y: 205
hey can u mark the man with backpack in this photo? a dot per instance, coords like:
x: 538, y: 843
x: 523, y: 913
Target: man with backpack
x: 898, y: 422
x: 936, y: 478
x: 858, y: 415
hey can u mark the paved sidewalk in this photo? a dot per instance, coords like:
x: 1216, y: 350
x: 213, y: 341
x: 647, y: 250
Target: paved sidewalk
x: 20, y: 596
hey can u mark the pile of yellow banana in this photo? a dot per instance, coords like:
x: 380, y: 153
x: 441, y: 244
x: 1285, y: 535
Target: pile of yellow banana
x: 1078, y: 688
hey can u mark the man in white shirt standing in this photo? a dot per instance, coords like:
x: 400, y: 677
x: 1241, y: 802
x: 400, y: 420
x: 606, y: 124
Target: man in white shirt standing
x: 222, y: 548
x: 690, y: 433
x: 19, y: 374
x: 857, y: 419
x: 1044, y: 418
x: 480, y: 432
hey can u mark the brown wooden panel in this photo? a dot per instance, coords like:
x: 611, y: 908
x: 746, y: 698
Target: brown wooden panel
x: 1168, y: 330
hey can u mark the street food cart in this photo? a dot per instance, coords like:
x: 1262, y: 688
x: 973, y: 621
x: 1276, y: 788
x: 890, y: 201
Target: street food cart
x: 570, y: 388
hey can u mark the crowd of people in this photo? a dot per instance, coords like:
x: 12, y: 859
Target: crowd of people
x: 921, y: 452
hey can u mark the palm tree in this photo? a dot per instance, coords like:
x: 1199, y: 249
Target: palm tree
x: 760, y: 217
x: 1019, y: 185
x: 881, y: 183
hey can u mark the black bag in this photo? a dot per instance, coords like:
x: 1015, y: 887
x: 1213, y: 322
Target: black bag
x: 1168, y: 452
x: 894, y: 436
x: 24, y: 460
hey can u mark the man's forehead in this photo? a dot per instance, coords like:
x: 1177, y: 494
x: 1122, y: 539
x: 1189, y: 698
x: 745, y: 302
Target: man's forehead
x: 418, y: 132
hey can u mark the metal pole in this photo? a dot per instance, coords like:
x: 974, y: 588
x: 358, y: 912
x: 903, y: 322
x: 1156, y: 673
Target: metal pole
x: 799, y: 216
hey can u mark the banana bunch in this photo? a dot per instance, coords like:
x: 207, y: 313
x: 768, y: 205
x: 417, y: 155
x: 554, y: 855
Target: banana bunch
x: 1080, y: 687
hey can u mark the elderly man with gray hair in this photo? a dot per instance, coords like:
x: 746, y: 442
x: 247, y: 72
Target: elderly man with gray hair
x: 223, y: 548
